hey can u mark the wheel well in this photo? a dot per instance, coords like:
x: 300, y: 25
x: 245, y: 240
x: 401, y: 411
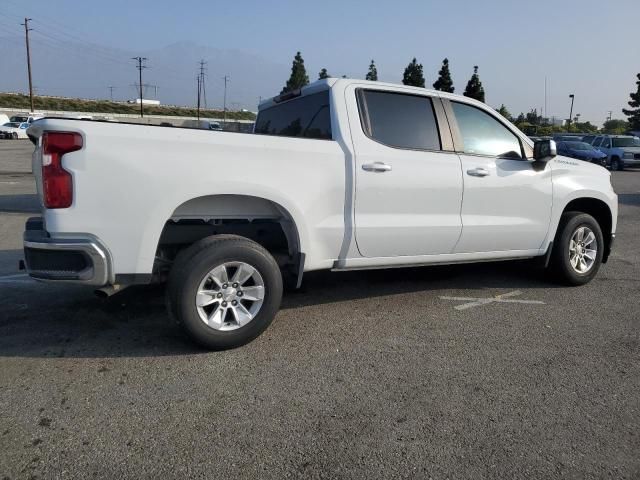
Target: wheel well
x: 258, y: 219
x: 598, y: 210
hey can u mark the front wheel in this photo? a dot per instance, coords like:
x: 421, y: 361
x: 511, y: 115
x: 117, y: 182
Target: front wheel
x: 615, y: 164
x: 224, y: 290
x: 14, y: 136
x: 577, y: 249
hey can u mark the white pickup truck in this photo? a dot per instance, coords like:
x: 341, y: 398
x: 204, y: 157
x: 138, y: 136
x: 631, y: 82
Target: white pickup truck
x: 344, y: 174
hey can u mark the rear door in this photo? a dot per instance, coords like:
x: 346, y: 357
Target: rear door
x: 507, y: 199
x: 408, y: 178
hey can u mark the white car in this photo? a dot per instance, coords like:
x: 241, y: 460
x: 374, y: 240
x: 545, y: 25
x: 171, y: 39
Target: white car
x: 342, y: 175
x: 14, y: 130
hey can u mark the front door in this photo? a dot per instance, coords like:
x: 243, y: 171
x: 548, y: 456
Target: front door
x: 507, y: 199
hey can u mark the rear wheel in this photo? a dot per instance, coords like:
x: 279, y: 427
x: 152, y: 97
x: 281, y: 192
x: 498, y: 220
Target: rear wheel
x: 577, y: 249
x: 224, y: 290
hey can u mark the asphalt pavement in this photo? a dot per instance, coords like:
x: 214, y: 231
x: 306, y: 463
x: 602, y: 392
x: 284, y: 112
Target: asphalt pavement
x: 478, y: 371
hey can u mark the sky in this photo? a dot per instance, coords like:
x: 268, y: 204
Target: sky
x: 588, y: 48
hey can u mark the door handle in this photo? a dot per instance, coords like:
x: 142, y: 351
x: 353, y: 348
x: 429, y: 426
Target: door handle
x: 478, y: 172
x: 376, y: 167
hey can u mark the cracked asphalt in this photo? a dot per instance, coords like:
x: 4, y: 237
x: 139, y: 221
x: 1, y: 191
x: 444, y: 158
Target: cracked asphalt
x: 361, y: 375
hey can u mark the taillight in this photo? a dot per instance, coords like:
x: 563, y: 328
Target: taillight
x: 57, y: 184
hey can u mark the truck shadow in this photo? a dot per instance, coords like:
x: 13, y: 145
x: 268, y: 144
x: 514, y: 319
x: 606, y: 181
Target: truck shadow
x: 45, y: 320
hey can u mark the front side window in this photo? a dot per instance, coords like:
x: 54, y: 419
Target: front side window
x: 399, y: 120
x: 626, y: 142
x: 482, y: 134
x: 308, y: 116
x: 597, y: 142
x: 606, y: 143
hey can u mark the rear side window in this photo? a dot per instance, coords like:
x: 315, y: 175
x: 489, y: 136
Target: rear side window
x: 308, y: 117
x: 482, y: 134
x: 399, y: 120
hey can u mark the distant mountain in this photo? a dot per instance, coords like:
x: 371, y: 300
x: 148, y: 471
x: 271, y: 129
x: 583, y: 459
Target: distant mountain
x: 75, y: 69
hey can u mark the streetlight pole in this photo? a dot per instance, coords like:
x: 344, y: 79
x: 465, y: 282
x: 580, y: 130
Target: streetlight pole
x: 572, y: 97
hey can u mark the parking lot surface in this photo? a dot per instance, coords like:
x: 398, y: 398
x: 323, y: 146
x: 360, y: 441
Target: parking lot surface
x: 475, y: 371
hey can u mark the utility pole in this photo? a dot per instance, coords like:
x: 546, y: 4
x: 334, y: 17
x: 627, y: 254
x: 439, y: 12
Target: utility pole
x: 111, y: 87
x: 546, y: 112
x: 609, y: 116
x: 203, y: 90
x: 140, y: 66
x: 226, y: 79
x: 26, y: 36
x: 572, y: 97
x: 198, y: 109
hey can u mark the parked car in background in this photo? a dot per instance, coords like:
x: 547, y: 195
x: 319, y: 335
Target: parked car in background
x: 621, y: 150
x: 582, y: 151
x: 26, y: 117
x: 539, y: 139
x: 567, y: 137
x: 4, y: 119
x: 14, y: 130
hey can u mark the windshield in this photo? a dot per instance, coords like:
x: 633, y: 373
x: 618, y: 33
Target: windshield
x: 626, y: 142
x: 18, y: 119
x: 11, y: 125
x: 578, y: 146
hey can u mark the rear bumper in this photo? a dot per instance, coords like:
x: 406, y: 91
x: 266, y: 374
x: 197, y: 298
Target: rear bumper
x: 76, y: 260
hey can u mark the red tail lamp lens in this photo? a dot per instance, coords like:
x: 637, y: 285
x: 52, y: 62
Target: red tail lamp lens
x: 57, y: 183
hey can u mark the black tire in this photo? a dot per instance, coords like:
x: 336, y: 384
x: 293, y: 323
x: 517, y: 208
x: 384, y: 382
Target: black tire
x: 616, y: 164
x: 560, y: 266
x: 14, y: 136
x: 193, y: 264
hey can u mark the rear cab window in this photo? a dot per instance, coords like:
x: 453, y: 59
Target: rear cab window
x: 399, y: 120
x: 308, y: 116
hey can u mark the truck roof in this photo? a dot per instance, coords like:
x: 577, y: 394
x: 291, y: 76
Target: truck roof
x: 327, y: 83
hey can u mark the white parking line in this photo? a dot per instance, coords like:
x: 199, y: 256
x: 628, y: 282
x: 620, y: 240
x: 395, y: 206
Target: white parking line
x: 18, y: 278
x: 17, y: 275
x: 502, y: 298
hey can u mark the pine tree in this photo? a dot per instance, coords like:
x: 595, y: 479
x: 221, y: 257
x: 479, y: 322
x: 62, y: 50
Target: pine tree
x: 444, y: 82
x: 413, y: 74
x: 474, y: 87
x: 323, y: 74
x: 504, y: 112
x: 634, y: 112
x: 372, y: 74
x: 299, y: 77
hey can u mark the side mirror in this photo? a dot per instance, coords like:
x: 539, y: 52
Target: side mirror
x: 544, y: 150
